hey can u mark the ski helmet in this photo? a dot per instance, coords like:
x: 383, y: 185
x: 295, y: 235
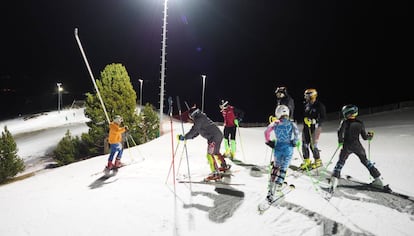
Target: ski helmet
x: 310, y: 94
x: 223, y: 104
x: 349, y: 111
x: 192, y: 112
x: 281, y: 110
x: 118, y: 119
x: 281, y: 92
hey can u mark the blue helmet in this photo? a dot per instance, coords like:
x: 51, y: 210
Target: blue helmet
x: 349, y: 111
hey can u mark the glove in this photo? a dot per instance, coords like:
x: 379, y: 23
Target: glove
x: 236, y: 122
x: 181, y: 137
x: 340, y: 144
x: 295, y: 144
x: 370, y: 135
x: 271, y: 144
x: 307, y: 121
x: 272, y: 119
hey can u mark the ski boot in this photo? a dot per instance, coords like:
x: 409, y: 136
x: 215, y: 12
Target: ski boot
x: 108, y: 168
x: 316, y: 164
x: 118, y: 164
x: 213, y: 176
x: 306, y: 164
x: 271, y: 188
x: 334, y: 184
x: 224, y: 168
x: 227, y: 154
x: 377, y: 183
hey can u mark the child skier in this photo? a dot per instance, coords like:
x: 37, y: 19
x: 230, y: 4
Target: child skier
x: 115, y: 143
x: 287, y: 136
x: 348, y: 138
x: 205, y: 127
x: 231, y: 117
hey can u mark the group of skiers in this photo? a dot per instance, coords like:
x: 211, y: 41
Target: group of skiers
x: 286, y: 138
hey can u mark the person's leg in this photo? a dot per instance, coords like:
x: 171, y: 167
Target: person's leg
x: 233, y: 141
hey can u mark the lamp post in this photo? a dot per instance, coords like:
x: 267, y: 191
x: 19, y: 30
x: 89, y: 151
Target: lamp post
x: 202, y: 96
x: 163, y: 60
x: 60, y: 89
x: 140, y: 94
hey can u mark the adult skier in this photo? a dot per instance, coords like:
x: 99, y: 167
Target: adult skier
x: 349, y: 131
x: 283, y: 98
x: 231, y: 116
x: 206, y: 128
x: 286, y: 135
x: 115, y: 143
x: 314, y: 115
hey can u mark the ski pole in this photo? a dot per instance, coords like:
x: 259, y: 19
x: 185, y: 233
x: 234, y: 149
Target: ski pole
x: 325, y: 168
x: 170, y: 111
x: 307, y: 170
x: 241, y: 144
x: 129, y: 150
x: 135, y: 144
x: 185, y: 143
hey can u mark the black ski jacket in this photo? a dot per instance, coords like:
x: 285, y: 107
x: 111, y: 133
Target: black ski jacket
x: 205, y: 127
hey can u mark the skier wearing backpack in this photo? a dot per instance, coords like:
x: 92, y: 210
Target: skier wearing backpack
x: 231, y: 116
x: 286, y: 138
x: 206, y: 128
x: 348, y: 138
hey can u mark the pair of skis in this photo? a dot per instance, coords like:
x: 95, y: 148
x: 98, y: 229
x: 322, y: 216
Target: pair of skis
x: 280, y: 195
x: 385, y: 189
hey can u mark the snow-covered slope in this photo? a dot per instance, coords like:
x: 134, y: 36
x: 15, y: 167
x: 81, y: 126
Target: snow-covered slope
x: 144, y: 199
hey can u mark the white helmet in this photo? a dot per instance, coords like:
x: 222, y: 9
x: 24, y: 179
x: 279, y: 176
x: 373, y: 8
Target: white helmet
x: 118, y: 119
x: 282, y: 110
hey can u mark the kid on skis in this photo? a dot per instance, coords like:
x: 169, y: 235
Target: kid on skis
x: 206, y: 128
x: 231, y: 117
x: 349, y: 131
x: 286, y: 135
x: 115, y: 143
x: 314, y: 115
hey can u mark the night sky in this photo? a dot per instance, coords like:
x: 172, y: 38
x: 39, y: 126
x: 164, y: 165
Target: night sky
x: 350, y: 51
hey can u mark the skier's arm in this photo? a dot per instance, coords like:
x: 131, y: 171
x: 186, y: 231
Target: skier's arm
x: 322, y: 114
x: 268, y: 131
x: 193, y: 132
x: 341, y: 132
x: 364, y: 134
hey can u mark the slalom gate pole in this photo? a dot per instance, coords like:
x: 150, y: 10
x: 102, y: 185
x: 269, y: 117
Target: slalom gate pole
x: 172, y: 163
x: 90, y: 73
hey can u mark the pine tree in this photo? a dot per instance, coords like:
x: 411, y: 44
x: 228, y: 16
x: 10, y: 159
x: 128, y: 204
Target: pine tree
x: 148, y: 128
x: 119, y: 98
x: 10, y: 162
x: 67, y: 150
